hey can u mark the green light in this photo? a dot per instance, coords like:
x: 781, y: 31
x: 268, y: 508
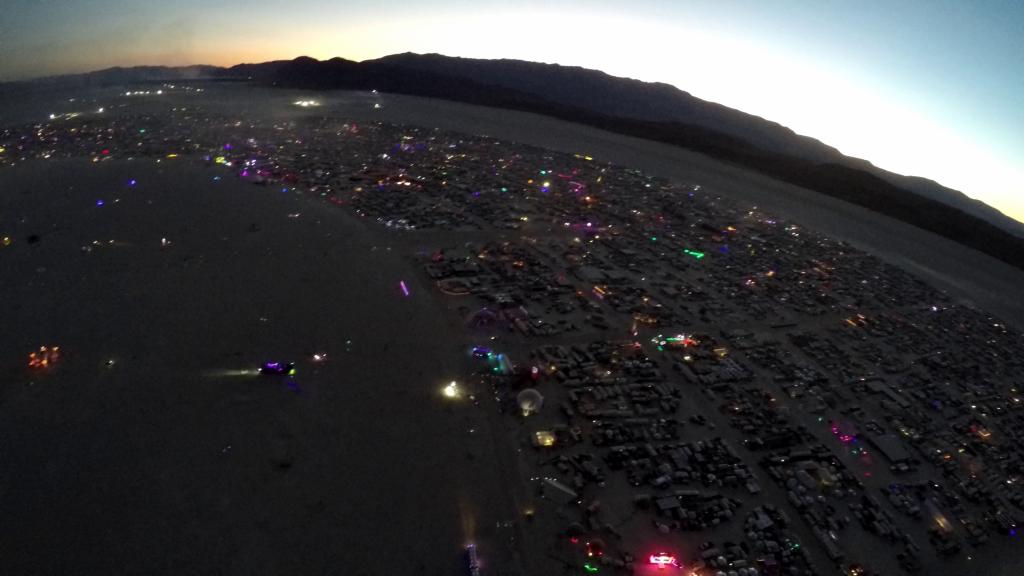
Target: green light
x: 660, y: 349
x: 503, y: 189
x: 654, y: 238
x: 694, y: 253
x: 590, y: 568
x: 291, y: 372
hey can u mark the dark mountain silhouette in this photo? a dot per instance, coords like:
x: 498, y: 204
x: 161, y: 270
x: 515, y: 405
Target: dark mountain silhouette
x: 118, y: 76
x: 647, y: 110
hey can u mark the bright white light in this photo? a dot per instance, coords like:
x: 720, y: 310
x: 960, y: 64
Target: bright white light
x: 306, y: 103
x: 451, y: 390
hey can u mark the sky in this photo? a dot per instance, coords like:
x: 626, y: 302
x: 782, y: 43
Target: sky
x: 932, y: 88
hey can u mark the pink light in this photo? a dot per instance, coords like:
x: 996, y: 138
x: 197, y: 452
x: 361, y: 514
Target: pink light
x: 405, y: 290
x: 661, y: 560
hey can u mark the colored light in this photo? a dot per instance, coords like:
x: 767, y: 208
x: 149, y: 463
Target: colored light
x: 694, y: 253
x: 590, y: 568
x: 663, y: 560
x: 405, y: 289
x: 44, y: 357
x: 545, y: 438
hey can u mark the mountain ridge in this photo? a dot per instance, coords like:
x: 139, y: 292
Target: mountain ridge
x: 655, y: 111
x: 766, y: 133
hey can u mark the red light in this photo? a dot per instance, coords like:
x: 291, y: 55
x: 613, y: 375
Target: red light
x: 574, y: 540
x: 106, y: 152
x: 44, y: 358
x: 661, y: 560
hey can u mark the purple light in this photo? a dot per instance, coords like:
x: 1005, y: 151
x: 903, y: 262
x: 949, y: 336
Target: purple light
x: 131, y: 182
x: 277, y: 368
x: 99, y: 202
x: 227, y: 146
x: 405, y: 289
